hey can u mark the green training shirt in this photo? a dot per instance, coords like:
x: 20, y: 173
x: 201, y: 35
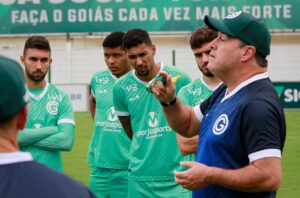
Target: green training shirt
x: 194, y: 94
x: 109, y: 146
x: 48, y: 107
x: 154, y: 153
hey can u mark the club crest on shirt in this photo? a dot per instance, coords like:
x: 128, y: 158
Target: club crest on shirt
x: 221, y: 124
x: 52, y: 107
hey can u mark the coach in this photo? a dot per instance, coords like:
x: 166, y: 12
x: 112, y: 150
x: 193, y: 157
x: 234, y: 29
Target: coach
x: 242, y: 130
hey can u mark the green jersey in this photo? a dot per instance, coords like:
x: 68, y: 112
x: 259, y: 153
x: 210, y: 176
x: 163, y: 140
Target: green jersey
x: 194, y: 94
x: 154, y: 153
x: 48, y: 107
x: 109, y: 147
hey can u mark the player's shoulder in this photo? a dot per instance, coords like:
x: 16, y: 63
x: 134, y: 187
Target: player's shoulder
x: 176, y: 72
x: 125, y: 78
x: 191, y: 86
x: 54, y: 89
x: 101, y: 73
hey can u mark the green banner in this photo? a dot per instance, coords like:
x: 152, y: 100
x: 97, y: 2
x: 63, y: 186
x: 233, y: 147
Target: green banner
x: 289, y: 94
x: 71, y: 16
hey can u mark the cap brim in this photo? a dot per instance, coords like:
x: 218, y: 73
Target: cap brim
x: 217, y: 25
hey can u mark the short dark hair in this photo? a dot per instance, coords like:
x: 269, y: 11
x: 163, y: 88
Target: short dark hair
x: 113, y: 40
x: 201, y: 36
x: 37, y: 42
x: 135, y: 37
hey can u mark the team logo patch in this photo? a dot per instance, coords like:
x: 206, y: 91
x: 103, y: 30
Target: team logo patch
x: 152, y: 119
x: 234, y: 15
x: 52, y: 107
x: 221, y: 124
x: 112, y: 115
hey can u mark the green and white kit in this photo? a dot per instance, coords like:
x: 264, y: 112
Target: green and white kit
x: 154, y: 153
x: 49, y: 127
x: 109, y: 147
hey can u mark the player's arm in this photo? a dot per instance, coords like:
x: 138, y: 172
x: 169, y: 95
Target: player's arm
x: 126, y: 124
x: 187, y: 145
x: 62, y: 140
x: 28, y: 137
x: 92, y: 105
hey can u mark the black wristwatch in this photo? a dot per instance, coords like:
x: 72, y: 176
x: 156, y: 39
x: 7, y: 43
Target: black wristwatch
x: 168, y: 104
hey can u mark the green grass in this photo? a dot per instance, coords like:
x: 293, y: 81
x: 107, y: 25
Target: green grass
x: 76, y: 165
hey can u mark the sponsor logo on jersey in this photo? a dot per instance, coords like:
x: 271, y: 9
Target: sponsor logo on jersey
x: 102, y: 80
x: 112, y: 116
x: 100, y: 91
x: 52, y: 107
x: 152, y: 119
x: 134, y: 98
x: 58, y: 97
x: 111, y: 125
x: 221, y: 124
x: 194, y: 92
x: 131, y: 87
x: 153, y: 131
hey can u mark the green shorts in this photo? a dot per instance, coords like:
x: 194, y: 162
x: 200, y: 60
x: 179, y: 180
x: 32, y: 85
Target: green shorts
x: 111, y: 183
x: 161, y: 189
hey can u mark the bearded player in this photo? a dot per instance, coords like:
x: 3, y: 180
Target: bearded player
x: 50, y: 125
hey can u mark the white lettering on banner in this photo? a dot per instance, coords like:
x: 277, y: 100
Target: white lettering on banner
x: 269, y: 11
x: 20, y: 2
x: 31, y: 1
x: 140, y: 14
x: 57, y: 16
x: 32, y: 16
x: 292, y: 95
x: 97, y: 14
x: 89, y: 15
x: 215, y: 12
x: 177, y: 13
x: 259, y: 11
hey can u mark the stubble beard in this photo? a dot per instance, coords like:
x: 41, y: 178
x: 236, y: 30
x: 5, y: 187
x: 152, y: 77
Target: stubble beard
x: 36, y: 76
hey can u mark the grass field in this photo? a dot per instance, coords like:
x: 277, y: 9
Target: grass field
x: 76, y: 166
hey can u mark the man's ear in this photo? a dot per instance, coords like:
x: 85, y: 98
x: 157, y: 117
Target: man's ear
x: 248, y: 52
x: 22, y: 118
x: 22, y: 59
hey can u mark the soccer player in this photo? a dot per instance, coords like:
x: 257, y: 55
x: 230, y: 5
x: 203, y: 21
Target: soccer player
x: 50, y: 125
x: 242, y: 130
x: 20, y: 175
x: 196, y: 92
x: 108, y: 153
x: 154, y: 153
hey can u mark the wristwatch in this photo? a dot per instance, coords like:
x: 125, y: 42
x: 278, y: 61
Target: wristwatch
x: 168, y: 104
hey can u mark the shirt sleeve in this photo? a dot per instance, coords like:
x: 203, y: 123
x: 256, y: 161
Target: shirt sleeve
x: 261, y: 130
x: 66, y: 114
x: 119, y: 102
